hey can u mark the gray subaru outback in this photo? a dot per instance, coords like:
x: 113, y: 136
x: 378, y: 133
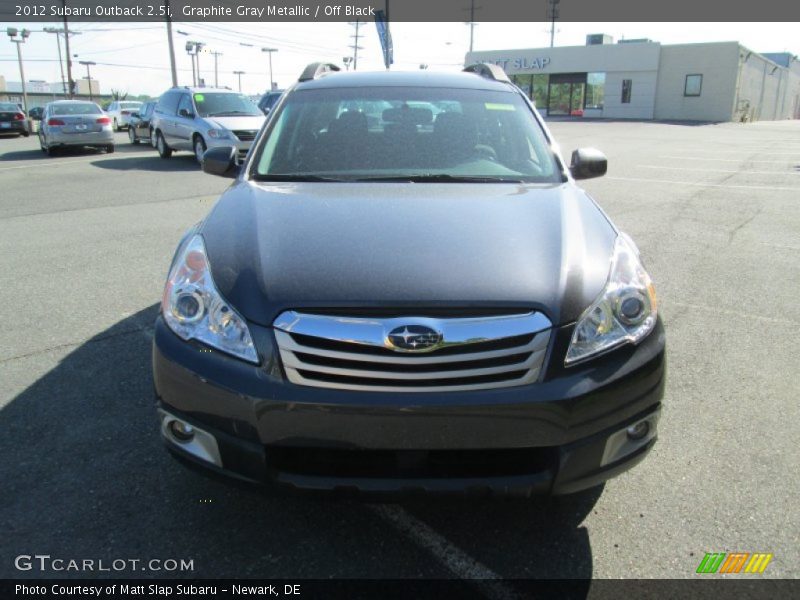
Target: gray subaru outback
x: 405, y: 289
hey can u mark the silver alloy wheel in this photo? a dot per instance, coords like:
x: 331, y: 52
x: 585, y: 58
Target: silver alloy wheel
x: 199, y: 149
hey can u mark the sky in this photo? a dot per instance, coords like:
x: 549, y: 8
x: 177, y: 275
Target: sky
x: 134, y: 58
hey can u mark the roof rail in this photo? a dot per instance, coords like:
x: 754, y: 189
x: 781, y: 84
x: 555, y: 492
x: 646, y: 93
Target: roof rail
x: 488, y: 71
x: 317, y: 69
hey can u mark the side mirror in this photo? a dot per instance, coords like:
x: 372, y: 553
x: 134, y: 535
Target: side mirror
x: 588, y: 163
x: 185, y: 112
x: 221, y: 161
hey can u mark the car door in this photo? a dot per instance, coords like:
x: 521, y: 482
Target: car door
x: 164, y: 116
x: 184, y: 124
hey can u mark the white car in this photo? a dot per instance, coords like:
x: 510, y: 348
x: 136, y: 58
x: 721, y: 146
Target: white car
x: 121, y: 112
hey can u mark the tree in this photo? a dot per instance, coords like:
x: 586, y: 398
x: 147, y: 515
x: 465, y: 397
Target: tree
x: 117, y: 95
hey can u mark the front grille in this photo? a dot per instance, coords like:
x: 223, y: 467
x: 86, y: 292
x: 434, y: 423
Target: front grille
x: 246, y: 135
x: 355, y: 353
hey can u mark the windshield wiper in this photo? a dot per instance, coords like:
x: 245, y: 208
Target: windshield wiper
x: 441, y: 178
x: 232, y: 112
x: 295, y: 177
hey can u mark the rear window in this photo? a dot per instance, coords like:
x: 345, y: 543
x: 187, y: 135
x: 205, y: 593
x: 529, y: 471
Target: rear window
x: 79, y: 108
x: 406, y: 132
x: 130, y: 104
x: 8, y: 107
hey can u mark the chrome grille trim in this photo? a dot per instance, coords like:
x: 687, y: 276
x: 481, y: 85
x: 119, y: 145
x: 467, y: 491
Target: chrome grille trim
x: 361, y: 371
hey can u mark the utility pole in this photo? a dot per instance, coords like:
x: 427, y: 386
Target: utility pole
x: 239, y: 73
x: 70, y: 83
x: 87, y: 64
x: 472, y: 24
x: 58, y: 33
x: 216, y: 72
x: 23, y: 35
x: 552, y: 14
x: 355, y: 45
x: 270, y: 51
x: 172, y: 65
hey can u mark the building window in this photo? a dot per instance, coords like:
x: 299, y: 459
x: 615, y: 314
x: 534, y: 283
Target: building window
x: 595, y: 90
x: 694, y: 83
x: 627, y: 84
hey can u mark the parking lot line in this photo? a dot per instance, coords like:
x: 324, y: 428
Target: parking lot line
x: 702, y: 184
x: 734, y: 160
x: 452, y: 557
x: 718, y: 170
x: 48, y: 163
x: 795, y: 153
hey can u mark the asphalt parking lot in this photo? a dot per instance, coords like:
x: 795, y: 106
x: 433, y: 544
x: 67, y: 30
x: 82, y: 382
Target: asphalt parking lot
x: 85, y: 242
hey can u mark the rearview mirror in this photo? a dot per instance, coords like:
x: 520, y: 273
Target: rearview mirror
x: 588, y: 163
x: 221, y: 161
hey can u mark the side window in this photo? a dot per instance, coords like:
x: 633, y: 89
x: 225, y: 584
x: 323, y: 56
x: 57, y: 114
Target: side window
x: 168, y: 103
x: 185, y: 104
x: 627, y: 85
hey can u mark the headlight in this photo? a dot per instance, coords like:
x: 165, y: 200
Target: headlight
x: 625, y: 311
x: 219, y: 134
x: 193, y: 308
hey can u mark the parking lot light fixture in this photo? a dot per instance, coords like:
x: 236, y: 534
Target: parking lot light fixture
x: 239, y: 73
x: 87, y: 64
x: 19, y: 37
x: 270, y: 51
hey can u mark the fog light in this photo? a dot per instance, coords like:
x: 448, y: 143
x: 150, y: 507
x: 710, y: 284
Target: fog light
x: 183, y: 432
x: 639, y: 430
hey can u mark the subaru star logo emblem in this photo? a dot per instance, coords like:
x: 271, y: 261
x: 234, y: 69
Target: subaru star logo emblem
x: 414, y: 338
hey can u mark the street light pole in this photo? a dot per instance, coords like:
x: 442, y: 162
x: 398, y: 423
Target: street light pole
x: 270, y: 51
x: 12, y: 34
x: 89, y: 63
x: 239, y: 73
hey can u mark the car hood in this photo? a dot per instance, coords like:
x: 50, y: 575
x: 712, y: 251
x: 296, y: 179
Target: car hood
x: 408, y: 246
x: 232, y: 123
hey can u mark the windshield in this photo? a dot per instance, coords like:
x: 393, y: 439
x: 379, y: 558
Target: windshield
x: 77, y: 108
x: 7, y: 106
x: 210, y: 104
x: 406, y: 134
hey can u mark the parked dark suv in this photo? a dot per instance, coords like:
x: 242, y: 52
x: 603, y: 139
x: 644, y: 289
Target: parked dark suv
x: 424, y: 300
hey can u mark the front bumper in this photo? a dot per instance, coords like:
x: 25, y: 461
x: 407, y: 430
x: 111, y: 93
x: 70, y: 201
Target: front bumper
x: 242, y: 147
x: 562, y: 434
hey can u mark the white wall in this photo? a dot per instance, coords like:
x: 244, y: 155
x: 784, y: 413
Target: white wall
x: 643, y: 93
x: 716, y: 62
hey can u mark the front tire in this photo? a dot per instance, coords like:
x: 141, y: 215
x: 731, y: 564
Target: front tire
x: 110, y: 149
x: 132, y: 136
x: 164, y: 151
x: 199, y: 149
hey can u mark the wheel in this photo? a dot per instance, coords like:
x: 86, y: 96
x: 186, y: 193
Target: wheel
x: 152, y: 138
x: 116, y: 125
x: 110, y: 149
x: 26, y: 133
x: 132, y: 136
x: 51, y: 151
x: 41, y: 144
x: 164, y: 151
x: 199, y: 149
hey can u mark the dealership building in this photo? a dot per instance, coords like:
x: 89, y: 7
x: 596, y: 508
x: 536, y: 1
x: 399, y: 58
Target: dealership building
x: 642, y: 79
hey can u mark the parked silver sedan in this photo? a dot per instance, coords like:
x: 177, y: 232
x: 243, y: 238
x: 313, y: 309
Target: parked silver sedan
x: 75, y: 123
